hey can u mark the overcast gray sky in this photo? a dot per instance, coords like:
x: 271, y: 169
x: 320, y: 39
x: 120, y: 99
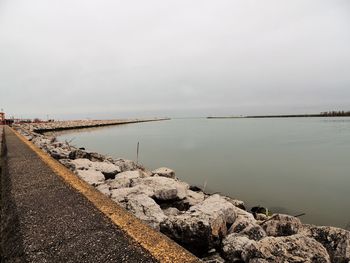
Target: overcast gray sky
x: 110, y: 58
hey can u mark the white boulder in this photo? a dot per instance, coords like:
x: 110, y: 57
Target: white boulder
x: 104, y: 189
x: 335, y: 240
x: 146, y: 209
x: 233, y: 245
x: 203, y: 226
x: 119, y: 195
x: 292, y: 249
x: 164, y: 188
x: 124, y: 179
x: 165, y: 172
x: 92, y: 177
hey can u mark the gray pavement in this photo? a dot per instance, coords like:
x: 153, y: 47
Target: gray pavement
x: 45, y: 220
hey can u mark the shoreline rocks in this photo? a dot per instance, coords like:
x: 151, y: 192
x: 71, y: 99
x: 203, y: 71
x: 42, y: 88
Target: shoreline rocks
x: 165, y: 172
x: 292, y: 249
x: 216, y: 228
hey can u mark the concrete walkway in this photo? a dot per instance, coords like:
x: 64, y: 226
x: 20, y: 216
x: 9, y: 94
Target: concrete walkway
x: 44, y: 220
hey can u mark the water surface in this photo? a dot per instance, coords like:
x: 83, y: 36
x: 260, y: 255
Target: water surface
x: 292, y: 165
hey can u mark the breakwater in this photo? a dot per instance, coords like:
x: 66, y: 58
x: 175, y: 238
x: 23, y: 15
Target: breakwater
x: 81, y: 124
x: 205, y: 224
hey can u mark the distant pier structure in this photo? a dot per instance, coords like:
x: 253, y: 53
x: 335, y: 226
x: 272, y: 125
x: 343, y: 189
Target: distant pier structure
x: 2, y: 117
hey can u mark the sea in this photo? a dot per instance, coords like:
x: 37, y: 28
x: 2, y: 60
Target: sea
x: 288, y: 165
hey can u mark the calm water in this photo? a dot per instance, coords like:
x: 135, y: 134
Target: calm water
x: 296, y: 165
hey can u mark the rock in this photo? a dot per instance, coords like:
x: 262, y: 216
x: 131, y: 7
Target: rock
x: 78, y: 154
x: 193, y: 198
x: 126, y: 165
x: 237, y: 203
x: 28, y: 137
x: 335, y: 240
x: 246, y: 225
x: 292, y: 249
x: 82, y: 154
x: 42, y: 143
x: 92, y: 177
x: 197, y: 232
x: 67, y: 163
x: 165, y: 172
x: 171, y: 211
x: 46, y: 148
x: 118, y: 195
x: 164, y: 188
x: 81, y: 164
x: 253, y: 232
x: 110, y: 159
x: 203, y: 226
x: 233, y: 245
x: 96, y: 157
x: 124, y: 179
x: 282, y: 225
x: 146, y: 209
x: 57, y: 144
x: 216, y: 204
x: 146, y: 173
x: 243, y: 220
x: 213, y: 258
x: 108, y: 169
x: 261, y: 217
x: 59, y: 153
x: 104, y: 189
x: 52, y: 139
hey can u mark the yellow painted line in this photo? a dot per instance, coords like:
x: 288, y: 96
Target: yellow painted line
x: 158, y: 245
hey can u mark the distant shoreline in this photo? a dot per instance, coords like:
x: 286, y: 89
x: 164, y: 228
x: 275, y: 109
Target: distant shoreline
x: 276, y: 116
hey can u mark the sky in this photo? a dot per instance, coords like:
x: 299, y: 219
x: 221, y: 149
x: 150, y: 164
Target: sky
x: 69, y: 59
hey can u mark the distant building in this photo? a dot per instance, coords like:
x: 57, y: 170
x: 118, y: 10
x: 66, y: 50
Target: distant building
x: 2, y: 117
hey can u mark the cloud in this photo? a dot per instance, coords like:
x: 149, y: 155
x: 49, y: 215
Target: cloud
x: 177, y: 58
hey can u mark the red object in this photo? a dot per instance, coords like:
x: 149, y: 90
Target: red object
x: 2, y: 117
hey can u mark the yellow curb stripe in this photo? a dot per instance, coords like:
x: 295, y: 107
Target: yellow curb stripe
x: 158, y: 245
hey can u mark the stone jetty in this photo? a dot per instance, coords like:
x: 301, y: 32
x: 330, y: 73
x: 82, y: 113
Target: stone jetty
x: 81, y: 124
x: 214, y: 227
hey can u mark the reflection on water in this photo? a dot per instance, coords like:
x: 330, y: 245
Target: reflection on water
x: 294, y: 165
